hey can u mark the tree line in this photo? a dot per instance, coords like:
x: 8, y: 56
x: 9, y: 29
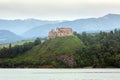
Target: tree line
x: 101, y: 49
x: 11, y: 52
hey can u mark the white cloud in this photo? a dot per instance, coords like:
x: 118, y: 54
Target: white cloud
x: 57, y: 9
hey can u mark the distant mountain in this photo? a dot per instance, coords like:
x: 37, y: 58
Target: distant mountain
x: 19, y: 26
x: 105, y: 23
x: 30, y: 28
x: 8, y: 37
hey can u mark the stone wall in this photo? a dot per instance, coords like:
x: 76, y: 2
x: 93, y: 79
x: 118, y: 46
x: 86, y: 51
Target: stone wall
x: 60, y: 32
x: 52, y: 34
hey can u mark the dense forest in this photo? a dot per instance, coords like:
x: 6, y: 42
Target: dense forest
x: 11, y: 52
x: 99, y: 50
x: 102, y: 49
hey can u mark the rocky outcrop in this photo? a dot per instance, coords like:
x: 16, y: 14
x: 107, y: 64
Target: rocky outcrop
x: 67, y: 59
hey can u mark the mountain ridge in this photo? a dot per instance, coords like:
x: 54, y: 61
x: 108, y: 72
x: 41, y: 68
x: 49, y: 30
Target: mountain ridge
x: 8, y: 37
x: 19, y: 26
x: 32, y: 28
x: 79, y: 25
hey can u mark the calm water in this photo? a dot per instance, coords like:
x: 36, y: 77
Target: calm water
x: 59, y: 74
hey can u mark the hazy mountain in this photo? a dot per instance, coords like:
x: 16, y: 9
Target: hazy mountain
x: 30, y: 28
x: 105, y: 23
x: 8, y: 37
x: 19, y: 26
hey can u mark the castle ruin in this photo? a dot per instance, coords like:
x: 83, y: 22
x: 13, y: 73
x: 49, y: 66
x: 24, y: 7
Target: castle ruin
x: 60, y: 32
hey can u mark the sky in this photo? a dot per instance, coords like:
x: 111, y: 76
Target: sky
x: 57, y: 9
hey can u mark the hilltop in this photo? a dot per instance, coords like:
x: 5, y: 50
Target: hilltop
x: 58, y: 52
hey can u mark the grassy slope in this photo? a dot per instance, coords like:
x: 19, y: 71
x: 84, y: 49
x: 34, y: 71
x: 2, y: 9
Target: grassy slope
x: 53, y: 47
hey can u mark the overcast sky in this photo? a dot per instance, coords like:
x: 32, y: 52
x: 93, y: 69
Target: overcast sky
x: 57, y: 9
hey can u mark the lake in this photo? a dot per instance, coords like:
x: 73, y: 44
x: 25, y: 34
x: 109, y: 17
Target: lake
x: 59, y: 74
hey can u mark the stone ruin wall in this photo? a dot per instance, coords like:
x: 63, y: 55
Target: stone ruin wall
x: 60, y: 32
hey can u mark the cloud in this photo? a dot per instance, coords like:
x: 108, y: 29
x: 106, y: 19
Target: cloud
x: 57, y: 9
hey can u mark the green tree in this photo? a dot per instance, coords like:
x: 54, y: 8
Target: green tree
x: 37, y: 41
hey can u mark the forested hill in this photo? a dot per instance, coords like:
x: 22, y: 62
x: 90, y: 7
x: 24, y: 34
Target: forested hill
x: 58, y: 52
x: 98, y: 50
x: 104, y: 48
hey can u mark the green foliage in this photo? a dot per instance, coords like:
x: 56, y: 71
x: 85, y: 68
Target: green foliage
x: 104, y: 48
x: 98, y: 50
x: 61, y: 45
x: 15, y: 43
x: 48, y: 51
x: 10, y: 52
x: 37, y: 41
